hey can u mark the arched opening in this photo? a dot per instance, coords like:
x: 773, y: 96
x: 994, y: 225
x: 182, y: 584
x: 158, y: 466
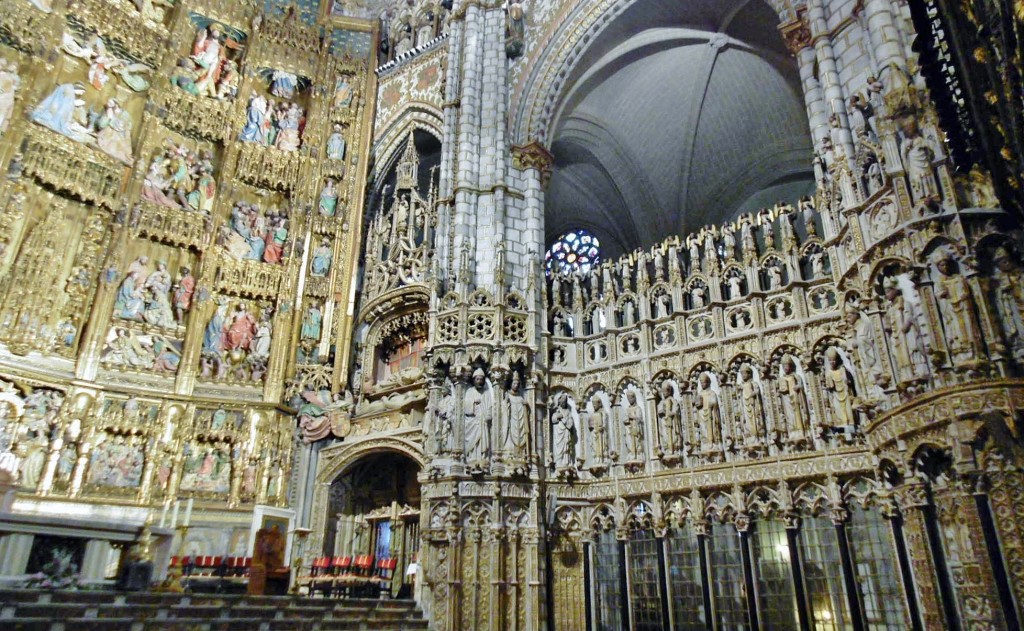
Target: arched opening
x: 373, y: 509
x: 677, y: 116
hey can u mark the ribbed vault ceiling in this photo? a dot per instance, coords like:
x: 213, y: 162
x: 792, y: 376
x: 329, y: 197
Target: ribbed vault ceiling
x: 681, y: 113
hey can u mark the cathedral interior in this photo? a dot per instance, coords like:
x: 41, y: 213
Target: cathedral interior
x: 577, y: 315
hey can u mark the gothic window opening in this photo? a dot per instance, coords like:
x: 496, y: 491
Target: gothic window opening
x: 776, y: 597
x: 575, y: 252
x: 822, y: 571
x: 685, y: 581
x: 727, y: 591
x: 874, y: 564
x: 644, y: 575
x: 607, y: 582
x: 392, y: 361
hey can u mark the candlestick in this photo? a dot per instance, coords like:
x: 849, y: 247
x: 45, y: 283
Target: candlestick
x: 188, y: 513
x: 163, y: 514
x: 174, y: 514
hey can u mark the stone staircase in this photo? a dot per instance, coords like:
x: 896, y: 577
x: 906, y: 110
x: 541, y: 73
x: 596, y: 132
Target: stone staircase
x: 35, y: 610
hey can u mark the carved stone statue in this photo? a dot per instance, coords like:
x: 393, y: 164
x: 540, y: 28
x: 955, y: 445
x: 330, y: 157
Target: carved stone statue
x: 794, y: 397
x: 517, y: 414
x: 956, y: 306
x: 669, y: 420
x: 918, y: 156
x: 633, y: 420
x: 477, y: 410
x: 1009, y: 296
x: 564, y: 435
x: 443, y: 419
x: 9, y: 83
x: 709, y: 410
x: 839, y: 386
x: 904, y: 333
x: 597, y: 423
x: 753, y: 405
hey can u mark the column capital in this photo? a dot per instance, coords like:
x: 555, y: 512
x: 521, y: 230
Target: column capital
x: 534, y: 155
x: 797, y: 34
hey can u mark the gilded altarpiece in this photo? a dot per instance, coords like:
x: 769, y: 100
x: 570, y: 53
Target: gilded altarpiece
x: 181, y: 185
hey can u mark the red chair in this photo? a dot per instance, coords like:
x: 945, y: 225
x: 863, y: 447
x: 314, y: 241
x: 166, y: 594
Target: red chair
x: 315, y: 579
x: 383, y: 576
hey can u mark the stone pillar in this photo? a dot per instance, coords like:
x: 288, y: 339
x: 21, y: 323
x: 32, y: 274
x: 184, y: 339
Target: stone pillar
x: 14, y: 551
x: 967, y: 561
x: 94, y: 562
x: 829, y: 76
x: 885, y: 37
x: 913, y: 501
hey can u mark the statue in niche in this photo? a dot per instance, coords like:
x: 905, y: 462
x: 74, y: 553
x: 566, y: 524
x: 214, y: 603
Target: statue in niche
x: 227, y: 84
x: 786, y: 231
x: 904, y: 333
x: 806, y: 207
x: 658, y: 256
x: 260, y: 349
x: 956, y: 306
x: 443, y: 418
x: 336, y: 144
x: 208, y: 54
x: 753, y: 404
x: 114, y: 132
x: 240, y: 333
x: 698, y: 296
x: 477, y: 410
x: 257, y: 120
x: 64, y: 112
x: 184, y: 290
x: 322, y: 257
x: 863, y: 341
x: 735, y: 282
x: 518, y: 414
x: 597, y: 423
x: 328, y: 199
x: 693, y: 247
x: 728, y: 242
x: 127, y: 349
x: 918, y: 158
x: 158, y: 310
x: 167, y: 356
x: 710, y: 260
x: 628, y: 315
x: 564, y: 436
x: 794, y: 396
x: 343, y: 92
x: 764, y: 219
x: 101, y: 61
x: 130, y: 301
x: 283, y: 84
x: 288, y: 121
x: 634, y: 423
x: 709, y: 409
x: 184, y: 76
x: 607, y: 283
x: 664, y: 305
x: 774, y: 274
x: 9, y: 84
x: 817, y: 260
x: 1009, y: 295
x: 669, y: 419
x: 839, y: 387
x: 747, y: 238
x: 862, y: 115
x: 311, y: 324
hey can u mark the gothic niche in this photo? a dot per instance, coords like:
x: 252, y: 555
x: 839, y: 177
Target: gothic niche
x: 398, y: 256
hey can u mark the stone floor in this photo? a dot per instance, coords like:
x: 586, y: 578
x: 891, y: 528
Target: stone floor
x: 33, y: 610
